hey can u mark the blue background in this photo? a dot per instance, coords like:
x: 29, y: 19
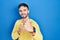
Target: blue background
x: 45, y: 12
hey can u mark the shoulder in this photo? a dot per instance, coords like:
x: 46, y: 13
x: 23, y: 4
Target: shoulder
x: 18, y: 21
x: 33, y: 21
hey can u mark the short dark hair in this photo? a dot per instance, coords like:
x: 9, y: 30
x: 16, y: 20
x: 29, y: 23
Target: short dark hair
x: 23, y: 4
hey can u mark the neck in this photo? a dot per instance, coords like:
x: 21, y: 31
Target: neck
x: 26, y: 18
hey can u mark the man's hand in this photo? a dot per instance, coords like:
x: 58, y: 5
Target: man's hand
x: 28, y: 26
x: 20, y: 29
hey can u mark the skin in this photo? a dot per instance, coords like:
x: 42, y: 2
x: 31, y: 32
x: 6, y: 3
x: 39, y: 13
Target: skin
x: 23, y: 11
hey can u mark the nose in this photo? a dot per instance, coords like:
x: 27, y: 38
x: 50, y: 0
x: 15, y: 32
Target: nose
x: 22, y: 12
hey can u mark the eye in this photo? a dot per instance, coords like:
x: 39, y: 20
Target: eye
x: 20, y: 10
x: 24, y: 9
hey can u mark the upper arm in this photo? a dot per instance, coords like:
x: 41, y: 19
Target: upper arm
x: 14, y: 32
x: 38, y: 34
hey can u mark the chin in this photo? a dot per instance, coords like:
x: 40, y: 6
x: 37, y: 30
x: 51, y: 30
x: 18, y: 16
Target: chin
x: 24, y: 17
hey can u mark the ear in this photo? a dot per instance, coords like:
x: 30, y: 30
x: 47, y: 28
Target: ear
x: 28, y: 11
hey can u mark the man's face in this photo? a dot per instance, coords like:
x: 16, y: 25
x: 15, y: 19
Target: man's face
x: 23, y: 11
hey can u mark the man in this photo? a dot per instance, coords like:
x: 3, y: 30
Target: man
x: 26, y: 28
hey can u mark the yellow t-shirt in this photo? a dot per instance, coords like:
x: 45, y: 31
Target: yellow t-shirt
x: 25, y: 35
